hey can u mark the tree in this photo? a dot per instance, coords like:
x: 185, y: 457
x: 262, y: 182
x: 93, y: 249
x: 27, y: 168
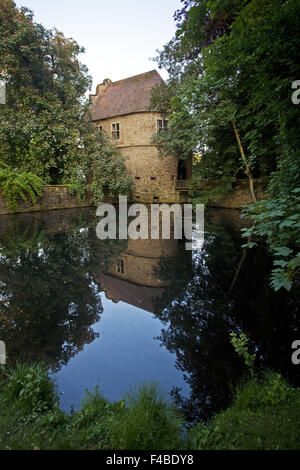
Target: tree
x: 199, y: 313
x: 49, y: 294
x: 45, y: 124
x: 198, y: 23
x: 236, y: 99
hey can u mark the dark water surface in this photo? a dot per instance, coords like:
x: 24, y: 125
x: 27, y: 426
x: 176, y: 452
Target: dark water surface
x: 118, y: 313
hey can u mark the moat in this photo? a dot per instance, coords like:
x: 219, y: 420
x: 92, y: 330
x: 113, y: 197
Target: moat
x: 116, y: 313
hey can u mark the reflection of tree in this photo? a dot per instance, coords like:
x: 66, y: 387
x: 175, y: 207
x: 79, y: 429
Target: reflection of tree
x: 17, y: 237
x: 199, y: 315
x: 49, y: 300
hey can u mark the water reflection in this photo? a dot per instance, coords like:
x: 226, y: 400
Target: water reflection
x: 136, y: 276
x: 48, y: 300
x: 199, y: 315
x: 61, y: 287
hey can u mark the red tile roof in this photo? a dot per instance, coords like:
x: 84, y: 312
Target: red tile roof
x: 121, y: 290
x: 130, y: 95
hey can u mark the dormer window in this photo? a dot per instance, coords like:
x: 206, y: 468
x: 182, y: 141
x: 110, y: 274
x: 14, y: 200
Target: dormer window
x: 115, y: 130
x: 162, y: 125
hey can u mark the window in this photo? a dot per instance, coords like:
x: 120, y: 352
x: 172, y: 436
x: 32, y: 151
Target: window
x: 162, y: 125
x: 100, y: 128
x: 115, y: 130
x: 152, y: 178
x: 137, y: 177
x: 162, y: 275
x: 120, y: 266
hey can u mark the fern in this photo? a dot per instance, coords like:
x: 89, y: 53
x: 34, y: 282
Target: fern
x: 17, y: 186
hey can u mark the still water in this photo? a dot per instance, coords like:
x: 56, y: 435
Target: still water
x: 118, y: 313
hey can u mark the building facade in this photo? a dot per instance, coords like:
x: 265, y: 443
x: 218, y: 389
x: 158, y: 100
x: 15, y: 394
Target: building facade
x: 135, y: 276
x: 140, y: 275
x: 122, y: 111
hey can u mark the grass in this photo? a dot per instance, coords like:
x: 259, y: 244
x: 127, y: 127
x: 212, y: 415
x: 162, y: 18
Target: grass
x: 149, y: 422
x: 264, y: 415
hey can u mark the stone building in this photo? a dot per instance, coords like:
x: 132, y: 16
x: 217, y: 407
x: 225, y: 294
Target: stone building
x: 139, y: 275
x: 122, y: 110
x: 134, y: 276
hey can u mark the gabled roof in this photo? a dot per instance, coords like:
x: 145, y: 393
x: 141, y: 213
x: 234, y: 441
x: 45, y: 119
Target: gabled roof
x: 121, y: 290
x: 131, y: 95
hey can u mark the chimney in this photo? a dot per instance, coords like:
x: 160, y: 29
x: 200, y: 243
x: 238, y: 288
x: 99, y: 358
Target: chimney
x: 100, y: 89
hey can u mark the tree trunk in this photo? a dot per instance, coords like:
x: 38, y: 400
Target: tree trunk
x: 251, y: 183
x: 247, y: 167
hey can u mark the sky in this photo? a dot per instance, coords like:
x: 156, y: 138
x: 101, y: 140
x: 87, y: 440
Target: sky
x: 119, y: 36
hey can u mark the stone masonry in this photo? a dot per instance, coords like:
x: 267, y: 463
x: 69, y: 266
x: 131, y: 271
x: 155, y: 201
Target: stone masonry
x: 122, y: 111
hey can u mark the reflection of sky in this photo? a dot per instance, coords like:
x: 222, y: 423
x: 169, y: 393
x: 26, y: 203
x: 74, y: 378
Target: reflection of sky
x: 124, y: 355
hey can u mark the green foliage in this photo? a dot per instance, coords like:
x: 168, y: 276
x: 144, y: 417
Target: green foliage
x: 16, y: 186
x: 30, y: 387
x: 101, y: 173
x: 278, y: 220
x: 142, y: 419
x: 79, y: 188
x: 241, y: 346
x: 90, y: 426
x: 262, y: 416
x: 60, y: 252
x: 45, y: 85
x: 233, y: 64
x: 223, y: 181
x: 271, y: 390
x: 19, y: 238
x: 107, y: 171
x: 149, y: 422
x: 48, y: 129
x: 199, y: 23
x: 30, y: 417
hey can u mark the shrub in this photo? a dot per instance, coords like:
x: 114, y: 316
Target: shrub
x: 264, y: 415
x: 241, y: 346
x: 18, y: 186
x: 90, y: 425
x: 271, y: 390
x: 29, y: 388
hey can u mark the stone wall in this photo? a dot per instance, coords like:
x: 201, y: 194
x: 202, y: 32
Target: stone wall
x: 58, y: 197
x: 141, y: 261
x: 135, y: 129
x: 238, y: 196
x: 54, y: 197
x: 154, y: 176
x: 140, y: 284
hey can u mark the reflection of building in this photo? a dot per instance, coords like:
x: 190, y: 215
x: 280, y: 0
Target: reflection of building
x: 137, y: 277
x: 122, y: 111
